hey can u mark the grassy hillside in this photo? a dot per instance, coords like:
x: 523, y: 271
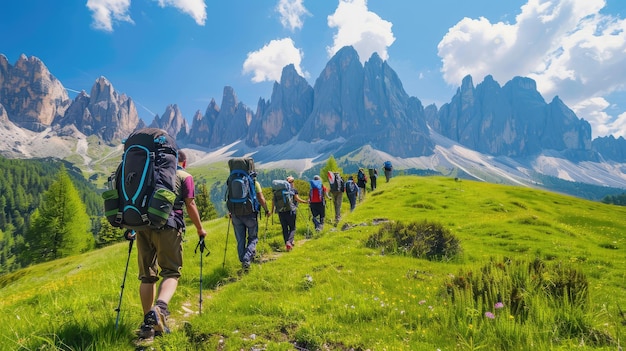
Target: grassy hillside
x: 334, y: 292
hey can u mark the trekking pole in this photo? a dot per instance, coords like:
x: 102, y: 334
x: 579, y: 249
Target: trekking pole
x: 130, y: 236
x: 226, y: 246
x: 201, y: 245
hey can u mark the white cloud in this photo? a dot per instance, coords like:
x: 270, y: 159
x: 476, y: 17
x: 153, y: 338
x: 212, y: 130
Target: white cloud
x: 268, y: 62
x: 291, y: 13
x: 567, y: 46
x: 106, y: 12
x: 194, y: 8
x: 362, y: 29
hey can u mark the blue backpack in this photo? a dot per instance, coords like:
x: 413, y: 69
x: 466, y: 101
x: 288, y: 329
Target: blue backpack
x: 240, y: 194
x: 283, y: 196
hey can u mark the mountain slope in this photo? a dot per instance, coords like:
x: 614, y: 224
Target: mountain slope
x: 332, y: 291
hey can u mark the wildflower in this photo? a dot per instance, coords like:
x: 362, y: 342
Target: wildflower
x: 422, y: 302
x: 498, y: 305
x: 489, y: 315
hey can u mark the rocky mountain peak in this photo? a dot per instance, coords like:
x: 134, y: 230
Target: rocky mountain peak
x: 172, y: 121
x: 31, y: 95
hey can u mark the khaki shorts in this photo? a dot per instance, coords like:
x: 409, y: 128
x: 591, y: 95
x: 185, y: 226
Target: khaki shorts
x: 159, y: 249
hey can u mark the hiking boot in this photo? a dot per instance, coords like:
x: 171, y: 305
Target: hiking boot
x: 156, y: 319
x: 145, y: 332
x: 245, y: 265
x: 288, y: 247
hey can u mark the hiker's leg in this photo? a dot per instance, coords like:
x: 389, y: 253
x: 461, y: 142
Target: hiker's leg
x: 240, y: 234
x: 252, y: 224
x: 284, y: 223
x: 170, y: 259
x: 291, y: 223
x: 148, y: 268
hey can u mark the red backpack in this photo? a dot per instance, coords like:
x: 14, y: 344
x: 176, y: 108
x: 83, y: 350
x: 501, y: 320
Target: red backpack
x: 315, y: 194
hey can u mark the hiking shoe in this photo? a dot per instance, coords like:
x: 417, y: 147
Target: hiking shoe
x: 156, y: 319
x: 245, y: 265
x: 288, y: 247
x: 145, y: 332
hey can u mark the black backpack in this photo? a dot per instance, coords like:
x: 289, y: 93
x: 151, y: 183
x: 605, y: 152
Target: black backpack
x: 361, y: 176
x: 240, y: 194
x: 283, y: 196
x: 141, y: 191
x: 337, y: 184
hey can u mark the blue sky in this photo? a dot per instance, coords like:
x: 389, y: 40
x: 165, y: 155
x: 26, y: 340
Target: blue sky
x: 162, y: 52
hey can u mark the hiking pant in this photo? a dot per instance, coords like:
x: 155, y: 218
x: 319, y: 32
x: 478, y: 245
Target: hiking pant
x: 246, y: 244
x: 373, y: 183
x: 337, y: 201
x: 318, y: 211
x: 159, y: 248
x: 388, y: 175
x: 288, y: 223
x: 352, y: 199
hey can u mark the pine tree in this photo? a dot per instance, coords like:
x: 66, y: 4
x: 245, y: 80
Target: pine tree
x: 107, y: 234
x: 205, y: 206
x: 60, y: 227
x: 332, y: 166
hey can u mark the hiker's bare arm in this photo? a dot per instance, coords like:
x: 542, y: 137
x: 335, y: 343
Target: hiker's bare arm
x: 194, y: 215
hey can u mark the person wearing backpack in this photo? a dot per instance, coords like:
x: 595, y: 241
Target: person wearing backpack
x: 361, y: 181
x: 388, y: 169
x: 336, y: 191
x: 162, y: 249
x: 351, y: 191
x: 285, y: 203
x: 373, y: 178
x: 244, y: 213
x: 317, y: 202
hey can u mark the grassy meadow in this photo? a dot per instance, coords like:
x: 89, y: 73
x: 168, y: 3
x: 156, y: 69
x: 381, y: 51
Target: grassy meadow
x: 535, y: 271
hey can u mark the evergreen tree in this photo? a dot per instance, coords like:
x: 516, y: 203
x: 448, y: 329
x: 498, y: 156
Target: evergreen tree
x: 60, y: 227
x: 205, y: 206
x: 332, y: 166
x: 107, y: 234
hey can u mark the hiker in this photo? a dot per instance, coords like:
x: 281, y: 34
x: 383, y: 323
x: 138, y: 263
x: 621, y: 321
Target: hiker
x: 352, y: 191
x: 337, y: 189
x: 388, y: 168
x: 361, y: 181
x: 246, y: 227
x: 162, y: 248
x: 317, y: 202
x: 288, y: 216
x: 373, y: 177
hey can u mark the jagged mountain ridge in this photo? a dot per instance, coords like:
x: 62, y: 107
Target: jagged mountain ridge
x: 351, y: 105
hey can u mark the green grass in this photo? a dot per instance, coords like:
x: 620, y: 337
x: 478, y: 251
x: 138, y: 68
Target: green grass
x: 334, y: 293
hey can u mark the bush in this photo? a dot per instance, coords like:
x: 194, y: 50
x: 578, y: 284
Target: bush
x: 425, y: 239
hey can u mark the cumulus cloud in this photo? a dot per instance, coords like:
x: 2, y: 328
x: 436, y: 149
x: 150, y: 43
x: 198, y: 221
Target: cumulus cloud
x: 291, y: 13
x: 567, y: 46
x: 194, y: 8
x: 362, y: 29
x: 106, y: 12
x: 267, y: 63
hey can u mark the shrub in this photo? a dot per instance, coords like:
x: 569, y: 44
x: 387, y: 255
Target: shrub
x: 426, y: 239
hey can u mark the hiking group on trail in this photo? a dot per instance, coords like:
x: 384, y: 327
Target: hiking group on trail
x: 150, y: 189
